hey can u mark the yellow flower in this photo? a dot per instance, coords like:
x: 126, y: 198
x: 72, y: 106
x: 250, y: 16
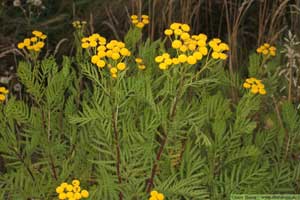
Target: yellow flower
x: 175, y: 26
x: 185, y: 27
x: 262, y: 91
x: 27, y: 42
x: 109, y: 53
x: 176, y: 44
x: 182, y: 58
x: 115, y: 56
x: 183, y: 48
x: 141, y: 67
x: 2, y: 97
x: 95, y: 59
x: 145, y: 16
x: 121, y: 45
x: 100, y: 63
x: 165, y: 55
x: 36, y: 48
x: 84, y: 193
x: 85, y: 45
x: 114, y: 75
x: 197, y: 55
x: 70, y: 194
x: 215, y: 55
x: 145, y: 21
x: 77, y: 195
x: 43, y: 36
x: 191, y: 47
x: 163, y: 66
x: 37, y: 33
x: 246, y: 85
x: 191, y: 60
x: 21, y: 45
x: 175, y: 61
x: 125, y: 52
x: 3, y: 90
x: 168, y: 32
x: 259, y: 50
x: 113, y: 70
x: 222, y: 56
x: 272, y: 53
x: 135, y: 21
x: 254, y: 89
x: 185, y: 36
x: 76, y: 188
x: 93, y: 44
x: 121, y: 66
x: 201, y: 43
x: 203, y: 50
x: 169, y: 61
x: 116, y: 49
x: 134, y: 17
x: 69, y: 188
x: 267, y: 45
x: 33, y: 39
x: 156, y: 196
x: 159, y: 59
x: 255, y: 86
x: 59, y: 189
x: 101, y: 48
x: 224, y: 47
x: 140, y: 25
x: 64, y: 185
x: 177, y: 31
x: 265, y: 52
x: 62, y: 196
x: 101, y: 54
x: 202, y: 37
x: 75, y: 182
x: 138, y: 60
x: 40, y: 44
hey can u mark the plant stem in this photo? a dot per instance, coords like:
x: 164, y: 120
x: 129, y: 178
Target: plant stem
x: 165, y: 135
x: 116, y: 135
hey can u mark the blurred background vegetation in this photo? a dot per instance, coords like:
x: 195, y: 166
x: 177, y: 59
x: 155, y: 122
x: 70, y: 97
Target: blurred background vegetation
x: 244, y: 24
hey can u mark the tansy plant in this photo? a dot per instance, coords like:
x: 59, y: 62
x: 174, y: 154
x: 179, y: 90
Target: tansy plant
x: 3, y: 94
x: 154, y: 195
x: 255, y: 86
x: 132, y: 116
x: 111, y: 56
x: 32, y: 46
x: 266, y: 50
x: 190, y: 49
x: 71, y: 191
x: 139, y: 21
x: 79, y: 24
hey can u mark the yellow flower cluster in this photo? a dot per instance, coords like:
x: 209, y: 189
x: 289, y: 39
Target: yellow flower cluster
x: 34, y: 43
x: 140, y: 23
x: 140, y: 63
x: 266, y: 49
x: 218, y: 48
x: 78, y: 24
x: 190, y: 48
x: 3, y: 93
x: 71, y: 191
x: 113, y: 53
x: 156, y: 196
x: 255, y: 86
